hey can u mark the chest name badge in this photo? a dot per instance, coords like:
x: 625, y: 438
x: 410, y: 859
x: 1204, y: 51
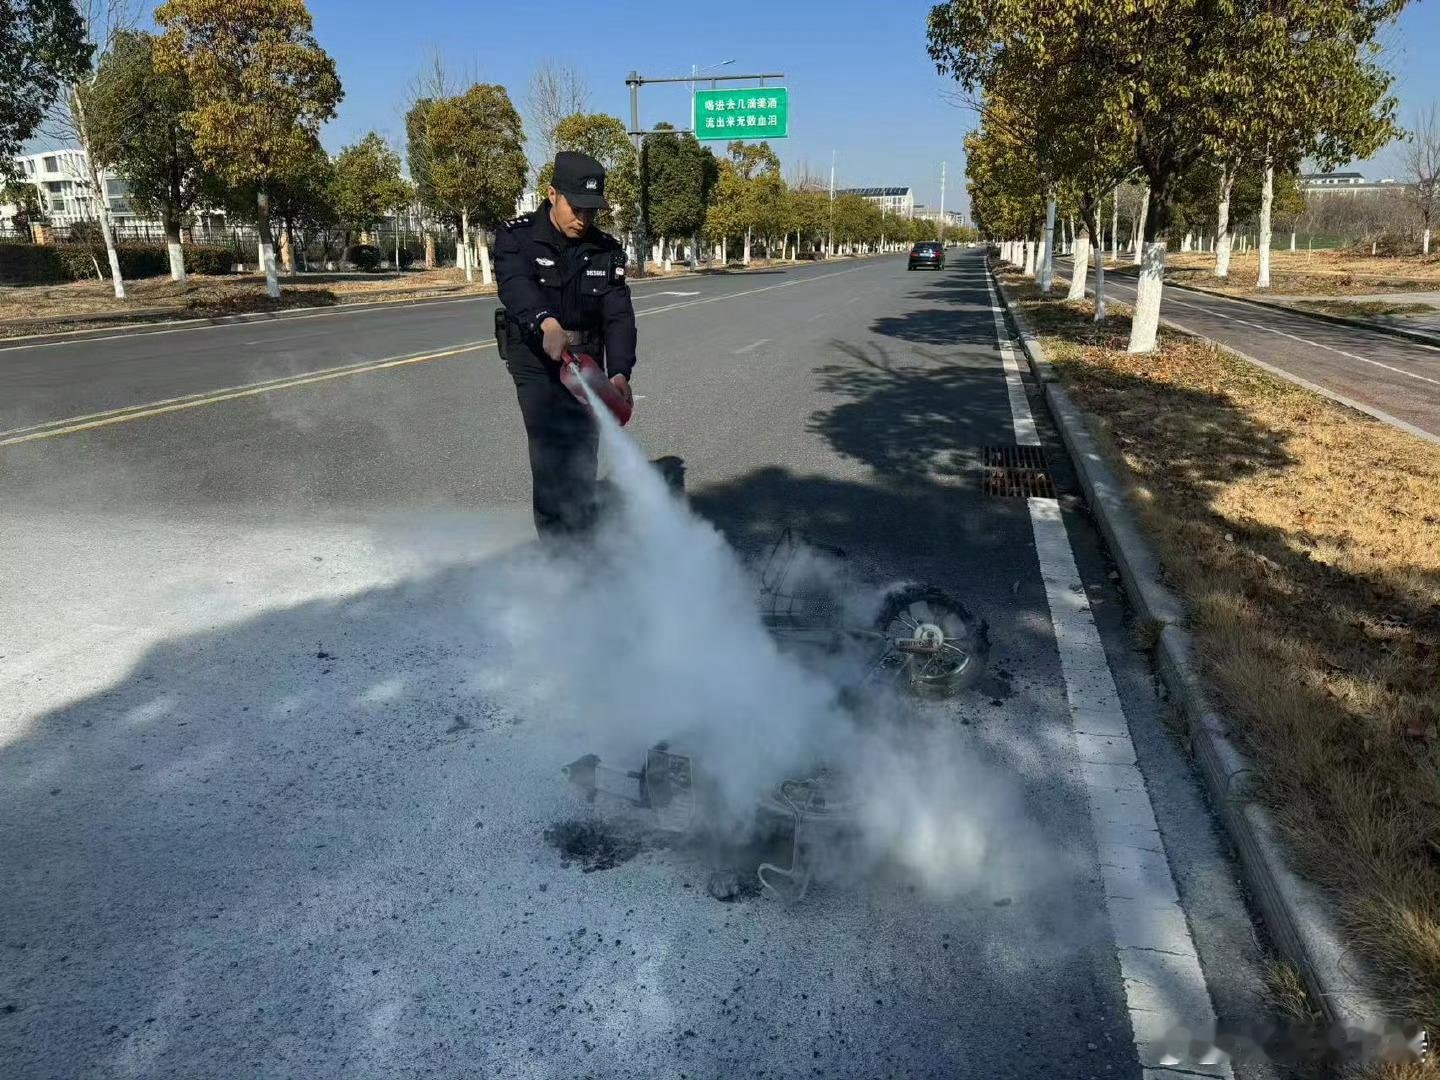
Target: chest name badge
x: 595, y: 273
x: 545, y: 262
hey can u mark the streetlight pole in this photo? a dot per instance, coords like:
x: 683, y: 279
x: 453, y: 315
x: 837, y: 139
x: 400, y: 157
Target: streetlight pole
x: 942, y: 204
x: 832, y: 204
x: 694, y: 71
x: 637, y: 135
x: 639, y: 140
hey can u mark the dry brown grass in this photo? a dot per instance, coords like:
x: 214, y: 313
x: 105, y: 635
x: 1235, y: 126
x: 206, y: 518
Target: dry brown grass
x: 203, y: 295
x: 1364, y: 309
x: 1426, y: 1071
x: 1306, y: 273
x: 1306, y: 540
x: 34, y: 309
x: 1288, y: 994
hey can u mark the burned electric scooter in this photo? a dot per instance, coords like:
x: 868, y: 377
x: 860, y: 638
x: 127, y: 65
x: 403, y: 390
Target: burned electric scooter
x: 918, y: 640
x: 805, y: 822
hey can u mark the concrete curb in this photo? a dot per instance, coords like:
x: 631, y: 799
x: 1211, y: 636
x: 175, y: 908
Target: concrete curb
x: 1291, y: 377
x: 1297, y: 916
x: 134, y: 322
x: 1420, y: 336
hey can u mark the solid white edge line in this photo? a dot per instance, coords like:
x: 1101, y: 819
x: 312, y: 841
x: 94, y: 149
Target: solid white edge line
x: 1024, y: 422
x: 1165, y: 992
x: 1200, y: 307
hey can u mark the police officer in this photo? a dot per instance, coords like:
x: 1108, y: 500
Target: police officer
x: 562, y: 286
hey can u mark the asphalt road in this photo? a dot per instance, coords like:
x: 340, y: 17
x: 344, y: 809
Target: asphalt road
x: 274, y: 781
x: 1392, y: 378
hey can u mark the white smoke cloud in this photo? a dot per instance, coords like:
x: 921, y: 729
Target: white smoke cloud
x: 653, y: 634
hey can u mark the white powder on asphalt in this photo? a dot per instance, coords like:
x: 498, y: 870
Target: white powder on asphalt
x: 653, y: 634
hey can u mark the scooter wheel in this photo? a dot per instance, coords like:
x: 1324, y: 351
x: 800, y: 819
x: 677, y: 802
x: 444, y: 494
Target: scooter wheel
x: 959, y: 639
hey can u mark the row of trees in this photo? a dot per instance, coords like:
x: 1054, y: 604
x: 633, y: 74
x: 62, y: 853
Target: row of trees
x: 1183, y: 96
x: 222, y: 105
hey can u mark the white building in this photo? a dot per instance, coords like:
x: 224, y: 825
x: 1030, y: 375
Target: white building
x: 66, y: 194
x: 1344, y: 183
x: 891, y: 200
x: 931, y: 213
x: 68, y: 198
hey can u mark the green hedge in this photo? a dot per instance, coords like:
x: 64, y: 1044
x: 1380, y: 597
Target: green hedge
x: 34, y: 264
x: 206, y: 259
x: 363, y: 257
x: 30, y: 264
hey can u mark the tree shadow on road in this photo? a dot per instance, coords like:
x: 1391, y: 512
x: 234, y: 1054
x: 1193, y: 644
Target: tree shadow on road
x: 920, y: 417
x: 293, y: 840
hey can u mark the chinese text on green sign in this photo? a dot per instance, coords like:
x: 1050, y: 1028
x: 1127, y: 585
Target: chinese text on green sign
x: 752, y: 113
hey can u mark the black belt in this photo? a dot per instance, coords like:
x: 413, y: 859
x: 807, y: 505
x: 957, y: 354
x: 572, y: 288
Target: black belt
x: 510, y: 332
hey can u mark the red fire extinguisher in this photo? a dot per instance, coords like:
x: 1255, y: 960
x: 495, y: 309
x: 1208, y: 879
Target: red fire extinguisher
x: 579, y: 371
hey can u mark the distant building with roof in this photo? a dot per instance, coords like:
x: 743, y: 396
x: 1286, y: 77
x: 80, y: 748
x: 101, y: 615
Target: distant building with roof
x: 1344, y: 183
x: 932, y: 213
x: 893, y: 200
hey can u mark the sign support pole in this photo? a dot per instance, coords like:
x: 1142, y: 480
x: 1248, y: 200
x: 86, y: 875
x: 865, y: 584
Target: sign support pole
x: 637, y: 136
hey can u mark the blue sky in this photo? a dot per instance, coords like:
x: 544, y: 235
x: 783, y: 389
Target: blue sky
x: 860, y: 81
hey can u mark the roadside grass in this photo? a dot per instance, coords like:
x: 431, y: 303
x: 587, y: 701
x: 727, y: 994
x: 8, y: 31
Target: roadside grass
x: 1305, y: 538
x: 1288, y: 994
x: 32, y: 309
x: 1306, y: 273
x: 37, y: 309
x: 1365, y: 309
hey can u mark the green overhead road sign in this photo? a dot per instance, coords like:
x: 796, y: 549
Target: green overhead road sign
x: 757, y: 112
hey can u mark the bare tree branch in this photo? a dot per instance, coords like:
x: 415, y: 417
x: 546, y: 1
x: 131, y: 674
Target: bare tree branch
x: 1422, y: 164
x: 556, y: 90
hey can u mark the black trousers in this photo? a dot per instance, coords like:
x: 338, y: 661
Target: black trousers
x: 564, y: 447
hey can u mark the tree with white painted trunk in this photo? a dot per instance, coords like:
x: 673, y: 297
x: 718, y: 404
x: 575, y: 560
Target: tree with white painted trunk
x: 433, y: 83
x: 678, y: 175
x: 1311, y: 91
x: 1422, y: 163
x: 1140, y: 225
x: 477, y: 165
x: 1046, y: 256
x: 302, y: 202
x: 367, y: 184
x: 1267, y: 202
x: 1079, y: 263
x: 261, y: 88
x: 1223, y: 239
x: 136, y: 118
x: 103, y: 22
x: 1277, y: 72
x: 1006, y: 196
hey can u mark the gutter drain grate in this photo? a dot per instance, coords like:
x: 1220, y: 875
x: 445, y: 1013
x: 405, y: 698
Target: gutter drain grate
x: 1017, y: 472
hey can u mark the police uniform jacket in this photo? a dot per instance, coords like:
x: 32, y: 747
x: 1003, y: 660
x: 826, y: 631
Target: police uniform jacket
x: 542, y: 273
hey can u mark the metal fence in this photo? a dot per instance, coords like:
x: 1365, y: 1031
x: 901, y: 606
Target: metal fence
x: 314, y: 249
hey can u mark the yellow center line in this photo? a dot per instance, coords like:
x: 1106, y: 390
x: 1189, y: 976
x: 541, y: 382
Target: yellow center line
x: 277, y: 383
x: 73, y: 425
x: 249, y: 391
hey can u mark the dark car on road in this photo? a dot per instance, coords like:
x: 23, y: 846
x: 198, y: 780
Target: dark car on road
x: 928, y: 254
